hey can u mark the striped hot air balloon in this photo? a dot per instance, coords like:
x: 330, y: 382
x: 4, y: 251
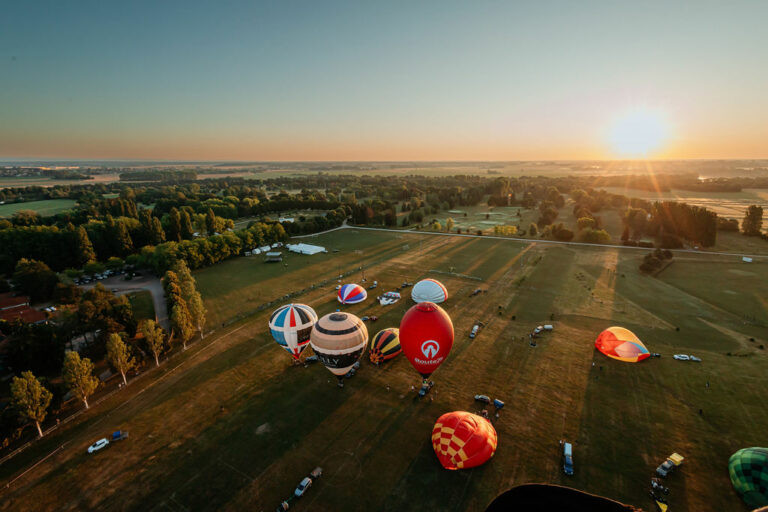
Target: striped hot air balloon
x: 291, y: 325
x: 385, y: 345
x: 429, y: 290
x: 621, y: 344
x: 339, y: 339
x: 352, y: 294
x: 463, y: 440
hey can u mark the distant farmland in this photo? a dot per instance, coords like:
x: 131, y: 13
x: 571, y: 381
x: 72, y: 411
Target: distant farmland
x: 44, y: 208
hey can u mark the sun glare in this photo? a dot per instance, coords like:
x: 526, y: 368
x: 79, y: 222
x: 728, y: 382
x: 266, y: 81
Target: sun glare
x: 638, y: 133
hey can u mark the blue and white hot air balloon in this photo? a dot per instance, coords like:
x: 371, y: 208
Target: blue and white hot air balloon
x: 352, y: 294
x: 291, y: 325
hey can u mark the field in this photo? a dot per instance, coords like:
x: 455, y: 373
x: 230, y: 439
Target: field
x: 731, y: 205
x: 143, y: 307
x: 230, y: 424
x: 44, y: 208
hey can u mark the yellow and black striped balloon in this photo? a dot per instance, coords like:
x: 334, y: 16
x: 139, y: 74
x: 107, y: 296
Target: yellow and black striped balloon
x: 385, y: 345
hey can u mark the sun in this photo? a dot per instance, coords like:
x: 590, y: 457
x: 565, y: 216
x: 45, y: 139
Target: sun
x: 638, y: 133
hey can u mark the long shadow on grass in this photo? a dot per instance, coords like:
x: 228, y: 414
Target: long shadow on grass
x: 206, y: 472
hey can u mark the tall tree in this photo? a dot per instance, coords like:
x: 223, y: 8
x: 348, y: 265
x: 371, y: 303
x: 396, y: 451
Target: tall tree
x: 123, y: 241
x: 752, y: 224
x: 85, y: 253
x: 78, y: 376
x: 186, y: 225
x: 154, y: 338
x: 196, y: 311
x: 35, y: 279
x: 30, y: 398
x: 181, y: 322
x: 174, y: 226
x: 210, y: 222
x: 119, y: 355
x: 157, y: 234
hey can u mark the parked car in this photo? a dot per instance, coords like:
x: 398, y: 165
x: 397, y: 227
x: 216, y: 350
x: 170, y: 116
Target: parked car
x: 473, y: 333
x: 568, y: 459
x: 365, y: 319
x: 302, y: 487
x: 483, y: 398
x: 655, y: 354
x: 694, y: 358
x: 98, y: 445
x: 316, y: 473
x: 373, y: 318
x: 681, y: 357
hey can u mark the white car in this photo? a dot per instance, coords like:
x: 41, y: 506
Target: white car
x: 694, y: 358
x: 98, y: 445
x: 302, y: 487
x: 681, y: 357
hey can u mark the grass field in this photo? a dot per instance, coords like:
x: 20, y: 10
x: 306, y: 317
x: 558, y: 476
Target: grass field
x: 143, y: 307
x: 44, y: 208
x: 231, y: 425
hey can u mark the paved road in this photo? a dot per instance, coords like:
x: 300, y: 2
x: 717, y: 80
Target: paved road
x: 532, y: 240
x: 149, y: 283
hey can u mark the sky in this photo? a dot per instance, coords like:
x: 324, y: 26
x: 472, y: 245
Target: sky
x: 410, y: 80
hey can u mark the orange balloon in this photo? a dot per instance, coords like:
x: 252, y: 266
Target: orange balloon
x: 463, y: 440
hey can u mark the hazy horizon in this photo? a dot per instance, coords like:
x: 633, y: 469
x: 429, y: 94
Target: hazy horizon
x: 401, y: 82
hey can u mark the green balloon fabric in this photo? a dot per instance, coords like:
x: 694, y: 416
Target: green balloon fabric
x: 748, y: 468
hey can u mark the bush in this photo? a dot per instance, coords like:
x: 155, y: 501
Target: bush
x: 596, y: 236
x: 629, y: 243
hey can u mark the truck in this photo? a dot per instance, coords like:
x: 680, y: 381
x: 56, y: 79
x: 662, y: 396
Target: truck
x: 568, y: 459
x: 673, y: 461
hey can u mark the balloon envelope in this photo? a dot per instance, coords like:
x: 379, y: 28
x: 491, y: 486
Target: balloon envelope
x: 748, y: 468
x: 426, y: 336
x: 463, y: 440
x: 622, y: 344
x: 429, y: 290
x: 339, y: 339
x: 291, y: 325
x: 352, y: 294
x: 385, y: 345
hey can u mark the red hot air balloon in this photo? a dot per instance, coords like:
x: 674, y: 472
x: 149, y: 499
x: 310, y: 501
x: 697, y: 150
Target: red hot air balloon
x: 426, y: 336
x: 463, y: 440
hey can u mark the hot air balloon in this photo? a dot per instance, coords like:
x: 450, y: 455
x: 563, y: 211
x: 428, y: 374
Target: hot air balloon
x: 426, y: 335
x: 339, y: 339
x: 352, y: 294
x: 385, y: 345
x: 429, y: 290
x: 463, y: 440
x: 748, y: 468
x: 622, y: 344
x: 290, y: 325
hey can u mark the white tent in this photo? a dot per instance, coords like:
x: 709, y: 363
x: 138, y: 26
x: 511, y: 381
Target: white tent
x: 305, y: 248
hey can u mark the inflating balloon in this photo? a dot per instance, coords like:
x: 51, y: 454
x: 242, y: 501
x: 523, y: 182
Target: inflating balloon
x: 429, y: 290
x: 291, y: 325
x: 748, y: 469
x: 385, y: 345
x: 339, y: 339
x: 352, y: 294
x: 463, y: 440
x: 622, y: 344
x: 426, y: 336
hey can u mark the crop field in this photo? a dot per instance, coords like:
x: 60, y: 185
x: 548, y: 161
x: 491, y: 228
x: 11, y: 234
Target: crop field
x: 231, y: 424
x: 44, y: 208
x: 731, y: 205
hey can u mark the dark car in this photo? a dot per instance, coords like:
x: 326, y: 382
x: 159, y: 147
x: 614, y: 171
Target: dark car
x: 483, y: 398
